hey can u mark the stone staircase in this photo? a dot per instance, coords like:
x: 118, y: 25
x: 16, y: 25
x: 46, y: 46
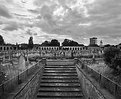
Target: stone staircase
x: 60, y: 81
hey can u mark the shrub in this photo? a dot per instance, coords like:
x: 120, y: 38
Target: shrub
x: 111, y: 54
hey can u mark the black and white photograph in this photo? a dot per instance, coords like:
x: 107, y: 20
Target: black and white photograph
x: 60, y: 49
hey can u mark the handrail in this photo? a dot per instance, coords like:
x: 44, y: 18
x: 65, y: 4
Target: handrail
x: 104, y: 76
x: 89, y: 79
x: 17, y: 75
x: 105, y: 82
x: 27, y: 83
x: 10, y: 85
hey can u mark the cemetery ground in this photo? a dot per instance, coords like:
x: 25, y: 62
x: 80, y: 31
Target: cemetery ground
x: 11, y: 69
x: 102, y: 68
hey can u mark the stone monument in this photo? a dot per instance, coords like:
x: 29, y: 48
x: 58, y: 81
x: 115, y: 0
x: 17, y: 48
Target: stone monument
x: 22, y: 62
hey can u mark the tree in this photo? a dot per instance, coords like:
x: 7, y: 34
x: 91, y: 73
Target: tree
x: 68, y: 42
x: 111, y: 54
x: 54, y: 42
x: 74, y: 43
x: 65, y: 42
x: 107, y: 45
x: 46, y: 43
x: 30, y: 44
x: 1, y: 40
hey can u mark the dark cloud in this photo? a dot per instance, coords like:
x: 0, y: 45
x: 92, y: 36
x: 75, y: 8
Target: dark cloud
x: 65, y: 17
x: 1, y: 22
x: 22, y: 36
x: 11, y: 26
x: 46, y: 14
x: 9, y: 1
x: 29, y: 32
x: 34, y: 11
x: 41, y: 2
x: 4, y: 12
x: 105, y: 12
x: 39, y: 17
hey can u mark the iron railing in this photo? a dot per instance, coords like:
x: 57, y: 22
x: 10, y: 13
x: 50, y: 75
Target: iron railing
x: 105, y: 82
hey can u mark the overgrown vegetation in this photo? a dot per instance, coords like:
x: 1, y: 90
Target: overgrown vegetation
x: 112, y: 58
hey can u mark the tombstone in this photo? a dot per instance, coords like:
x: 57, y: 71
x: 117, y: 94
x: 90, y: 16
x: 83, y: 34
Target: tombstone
x: 27, y: 62
x: 1, y: 60
x: 22, y: 62
x: 4, y: 58
x: 93, y: 59
x: 72, y: 55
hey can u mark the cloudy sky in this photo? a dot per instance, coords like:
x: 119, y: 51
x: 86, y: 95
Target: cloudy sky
x: 59, y: 19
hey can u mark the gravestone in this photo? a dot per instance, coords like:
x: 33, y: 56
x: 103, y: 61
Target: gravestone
x: 93, y: 59
x: 27, y: 62
x: 22, y: 62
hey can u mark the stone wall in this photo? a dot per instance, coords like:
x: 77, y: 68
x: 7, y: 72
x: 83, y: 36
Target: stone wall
x: 105, y: 82
x: 29, y: 90
x: 89, y: 89
x: 21, y: 82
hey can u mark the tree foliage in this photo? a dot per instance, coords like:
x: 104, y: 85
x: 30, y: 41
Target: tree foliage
x: 1, y: 40
x: 54, y: 42
x: 68, y: 42
x: 107, y: 45
x: 111, y: 57
x: 46, y: 43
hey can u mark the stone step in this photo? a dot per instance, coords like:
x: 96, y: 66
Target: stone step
x: 60, y: 74
x: 51, y: 71
x: 51, y: 89
x: 60, y: 94
x: 60, y: 84
x: 60, y: 67
x: 59, y: 70
x: 61, y: 81
x: 60, y: 77
x: 60, y: 97
x: 59, y: 64
x: 49, y: 81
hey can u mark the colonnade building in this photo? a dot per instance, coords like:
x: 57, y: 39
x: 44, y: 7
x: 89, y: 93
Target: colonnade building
x: 8, y: 48
x: 82, y: 49
x: 59, y: 48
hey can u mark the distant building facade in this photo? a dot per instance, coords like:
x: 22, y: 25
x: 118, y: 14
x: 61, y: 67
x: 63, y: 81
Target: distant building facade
x: 93, y: 41
x: 8, y: 48
x: 92, y: 48
x: 85, y: 50
x: 101, y: 43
